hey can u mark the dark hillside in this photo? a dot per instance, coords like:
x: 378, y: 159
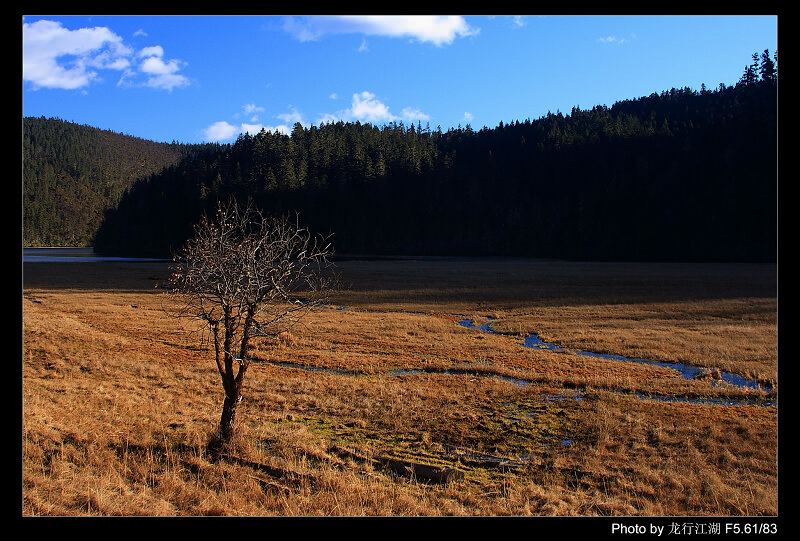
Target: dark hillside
x: 679, y: 176
x: 72, y: 173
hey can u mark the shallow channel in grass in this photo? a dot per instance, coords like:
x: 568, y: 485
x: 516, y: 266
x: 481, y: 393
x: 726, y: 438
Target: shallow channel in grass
x: 533, y: 341
x: 685, y: 370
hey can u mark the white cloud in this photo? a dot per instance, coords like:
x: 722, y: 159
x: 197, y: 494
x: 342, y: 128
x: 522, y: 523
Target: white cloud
x: 153, y: 65
x: 155, y: 50
x: 107, y: 60
x: 436, y: 29
x: 611, y: 39
x: 413, y: 114
x: 291, y: 117
x: 56, y: 57
x: 301, y: 29
x: 289, y: 120
x: 221, y: 131
x: 326, y: 118
x: 252, y: 129
x: 161, y: 74
x: 366, y: 107
x: 281, y: 128
x: 167, y: 81
x: 251, y: 108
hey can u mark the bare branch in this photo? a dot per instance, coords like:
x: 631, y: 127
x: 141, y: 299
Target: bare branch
x: 244, y: 274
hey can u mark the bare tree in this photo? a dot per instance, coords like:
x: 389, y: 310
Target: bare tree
x: 242, y: 275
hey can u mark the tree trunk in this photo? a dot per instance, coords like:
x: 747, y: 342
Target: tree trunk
x: 226, y: 423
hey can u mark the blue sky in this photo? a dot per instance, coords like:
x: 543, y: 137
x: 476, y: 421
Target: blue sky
x: 197, y: 78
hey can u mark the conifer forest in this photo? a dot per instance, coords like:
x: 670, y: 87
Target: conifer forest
x: 680, y: 175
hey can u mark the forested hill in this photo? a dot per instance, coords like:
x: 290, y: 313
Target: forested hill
x: 72, y: 173
x: 680, y: 175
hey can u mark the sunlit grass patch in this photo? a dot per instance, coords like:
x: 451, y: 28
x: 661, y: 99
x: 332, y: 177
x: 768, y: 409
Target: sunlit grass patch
x: 120, y: 401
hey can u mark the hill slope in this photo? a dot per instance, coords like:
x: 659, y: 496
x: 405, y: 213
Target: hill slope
x: 73, y: 173
x: 681, y: 175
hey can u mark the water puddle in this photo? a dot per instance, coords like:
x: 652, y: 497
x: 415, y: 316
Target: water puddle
x: 533, y: 341
x: 686, y: 371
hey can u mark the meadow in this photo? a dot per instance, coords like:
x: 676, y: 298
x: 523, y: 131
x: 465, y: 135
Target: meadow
x: 382, y: 403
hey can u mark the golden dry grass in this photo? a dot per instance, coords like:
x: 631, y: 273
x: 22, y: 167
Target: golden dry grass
x: 119, y: 399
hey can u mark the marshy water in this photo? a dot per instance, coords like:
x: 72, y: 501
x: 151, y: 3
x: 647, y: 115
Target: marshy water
x: 533, y: 341
x: 71, y: 255
x: 87, y: 255
x: 686, y: 371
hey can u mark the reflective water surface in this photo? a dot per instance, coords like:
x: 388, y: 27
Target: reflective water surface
x: 71, y: 255
x: 685, y: 370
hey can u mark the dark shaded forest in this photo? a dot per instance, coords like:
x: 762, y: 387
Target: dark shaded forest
x: 73, y: 173
x: 683, y: 175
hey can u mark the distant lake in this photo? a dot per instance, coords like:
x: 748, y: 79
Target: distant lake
x: 71, y: 255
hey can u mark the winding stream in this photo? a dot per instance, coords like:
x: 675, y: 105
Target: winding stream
x: 533, y: 341
x: 686, y: 371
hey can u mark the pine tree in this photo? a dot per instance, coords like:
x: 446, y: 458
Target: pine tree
x: 754, y: 67
x: 750, y: 75
x: 768, y: 71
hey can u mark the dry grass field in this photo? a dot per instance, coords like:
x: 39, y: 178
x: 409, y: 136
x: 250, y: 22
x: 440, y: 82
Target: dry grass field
x: 390, y: 407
